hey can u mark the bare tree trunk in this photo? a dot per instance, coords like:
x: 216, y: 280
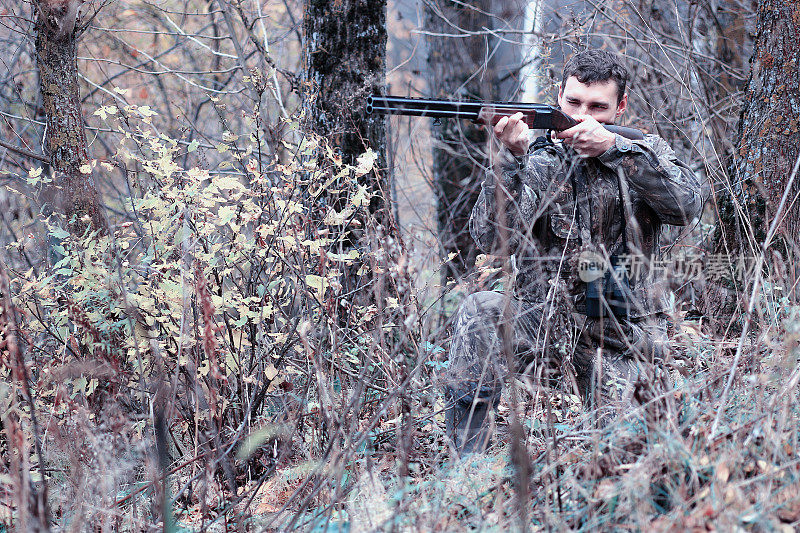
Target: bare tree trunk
x: 463, y: 65
x: 345, y: 63
x: 73, y: 191
x: 766, y: 153
x: 345, y: 47
x: 769, y: 135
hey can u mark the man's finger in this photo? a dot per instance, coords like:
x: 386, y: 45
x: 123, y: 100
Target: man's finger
x: 519, y: 128
x: 510, y: 121
x: 500, y: 126
x: 589, y: 123
x: 569, y: 133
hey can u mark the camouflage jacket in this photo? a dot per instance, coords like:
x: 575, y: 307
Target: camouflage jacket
x: 542, y: 215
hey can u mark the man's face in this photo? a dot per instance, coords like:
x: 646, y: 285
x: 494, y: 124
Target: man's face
x: 598, y: 100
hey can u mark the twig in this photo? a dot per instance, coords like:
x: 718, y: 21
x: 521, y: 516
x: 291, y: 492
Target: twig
x: 22, y: 151
x: 751, y: 304
x: 20, y: 373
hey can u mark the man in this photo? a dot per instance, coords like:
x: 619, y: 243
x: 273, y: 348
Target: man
x: 590, y: 194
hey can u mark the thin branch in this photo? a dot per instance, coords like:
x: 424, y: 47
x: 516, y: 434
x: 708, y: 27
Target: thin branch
x: 22, y: 151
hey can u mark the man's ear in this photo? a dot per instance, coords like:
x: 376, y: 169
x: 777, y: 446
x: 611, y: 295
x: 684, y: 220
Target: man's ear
x: 622, y: 105
x: 560, y: 94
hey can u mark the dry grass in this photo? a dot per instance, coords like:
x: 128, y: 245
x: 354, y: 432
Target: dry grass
x: 207, y: 364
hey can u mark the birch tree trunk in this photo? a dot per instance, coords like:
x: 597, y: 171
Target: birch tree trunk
x: 73, y: 192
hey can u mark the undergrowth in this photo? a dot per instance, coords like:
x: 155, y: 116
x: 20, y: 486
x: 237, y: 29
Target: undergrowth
x: 238, y: 354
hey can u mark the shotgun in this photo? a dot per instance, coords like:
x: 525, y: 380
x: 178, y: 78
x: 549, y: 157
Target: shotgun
x: 536, y: 116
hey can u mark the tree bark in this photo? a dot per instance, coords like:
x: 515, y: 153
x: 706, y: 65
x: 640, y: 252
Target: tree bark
x: 73, y: 192
x: 345, y: 63
x: 461, y: 67
x: 769, y: 136
x: 345, y: 47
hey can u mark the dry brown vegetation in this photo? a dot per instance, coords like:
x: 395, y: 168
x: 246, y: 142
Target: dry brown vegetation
x: 203, y: 367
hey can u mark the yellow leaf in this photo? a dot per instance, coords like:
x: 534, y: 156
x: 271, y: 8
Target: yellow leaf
x: 35, y: 172
x: 226, y: 214
x: 337, y: 219
x: 365, y: 162
x: 318, y: 284
x: 228, y: 182
x: 270, y: 372
x: 145, y: 111
x: 86, y: 169
x: 104, y: 111
x: 198, y: 174
x: 360, y: 198
x: 349, y: 256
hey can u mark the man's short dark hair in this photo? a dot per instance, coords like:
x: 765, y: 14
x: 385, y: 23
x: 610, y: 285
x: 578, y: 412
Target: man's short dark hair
x: 595, y: 65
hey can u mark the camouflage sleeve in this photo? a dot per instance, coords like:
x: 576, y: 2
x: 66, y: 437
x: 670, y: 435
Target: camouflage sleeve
x: 481, y: 222
x: 654, y: 172
x: 523, y: 180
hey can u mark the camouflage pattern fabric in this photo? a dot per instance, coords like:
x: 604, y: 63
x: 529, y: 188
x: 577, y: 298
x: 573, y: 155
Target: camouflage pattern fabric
x: 543, y: 321
x: 603, y: 360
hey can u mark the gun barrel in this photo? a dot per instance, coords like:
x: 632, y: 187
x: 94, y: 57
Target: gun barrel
x: 419, y: 106
x: 536, y: 116
x: 423, y: 111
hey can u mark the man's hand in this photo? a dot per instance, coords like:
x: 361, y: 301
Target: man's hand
x: 588, y: 138
x: 514, y: 134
